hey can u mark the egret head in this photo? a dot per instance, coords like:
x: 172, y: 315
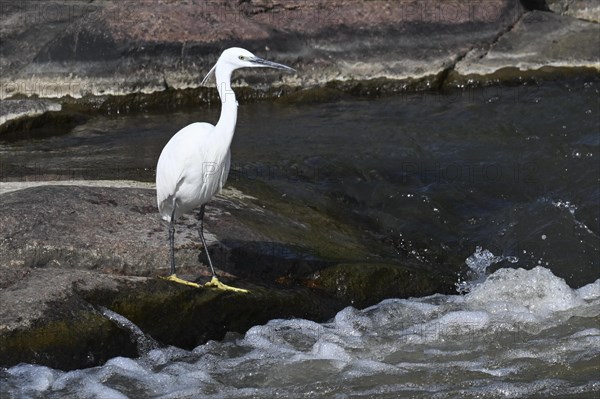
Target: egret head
x: 234, y: 58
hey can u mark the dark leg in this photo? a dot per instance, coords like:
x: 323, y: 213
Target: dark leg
x: 173, y: 277
x: 214, y: 282
x: 172, y: 238
x: 201, y: 234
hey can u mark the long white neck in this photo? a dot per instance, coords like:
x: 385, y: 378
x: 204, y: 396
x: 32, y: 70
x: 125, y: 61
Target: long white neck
x: 226, y: 125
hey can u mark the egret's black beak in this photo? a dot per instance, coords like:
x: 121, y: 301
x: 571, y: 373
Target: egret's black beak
x: 270, y: 64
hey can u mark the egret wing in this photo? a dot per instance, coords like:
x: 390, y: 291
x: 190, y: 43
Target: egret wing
x: 173, y: 161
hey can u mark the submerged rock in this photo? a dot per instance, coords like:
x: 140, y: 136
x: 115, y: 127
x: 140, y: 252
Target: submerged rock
x: 14, y: 110
x: 67, y: 251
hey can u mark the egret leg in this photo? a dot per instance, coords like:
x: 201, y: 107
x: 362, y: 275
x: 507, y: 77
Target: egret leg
x: 214, y: 282
x: 173, y: 277
x: 172, y: 240
x: 201, y: 234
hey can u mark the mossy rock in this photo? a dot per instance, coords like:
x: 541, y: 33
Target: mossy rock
x: 186, y: 317
x: 365, y: 284
x: 85, y: 339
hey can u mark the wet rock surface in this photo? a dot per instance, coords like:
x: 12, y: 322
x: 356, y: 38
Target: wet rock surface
x: 131, y: 56
x: 128, y: 56
x: 588, y: 10
x: 129, y: 47
x: 539, y: 42
x: 23, y: 113
x: 19, y: 108
x: 65, y: 252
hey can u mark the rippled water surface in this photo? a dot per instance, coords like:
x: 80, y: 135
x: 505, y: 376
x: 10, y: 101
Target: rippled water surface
x: 506, y: 179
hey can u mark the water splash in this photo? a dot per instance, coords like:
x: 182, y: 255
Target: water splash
x: 478, y: 264
x: 572, y: 208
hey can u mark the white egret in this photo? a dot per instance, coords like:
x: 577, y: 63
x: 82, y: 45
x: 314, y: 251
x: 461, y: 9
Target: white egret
x: 194, y: 164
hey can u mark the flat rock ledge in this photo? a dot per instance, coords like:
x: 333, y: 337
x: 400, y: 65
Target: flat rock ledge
x: 129, y: 56
x: 68, y: 253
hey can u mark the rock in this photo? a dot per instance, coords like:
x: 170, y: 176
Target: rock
x: 557, y: 6
x: 11, y: 110
x: 360, y: 283
x: 67, y: 252
x: 29, y: 26
x: 584, y: 9
x: 118, y: 49
x: 588, y: 10
x: 59, y: 227
x: 72, y: 50
x: 43, y: 321
x: 115, y: 58
x: 53, y: 316
x: 539, y: 42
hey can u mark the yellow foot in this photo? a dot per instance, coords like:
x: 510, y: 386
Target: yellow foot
x: 215, y: 283
x: 176, y: 279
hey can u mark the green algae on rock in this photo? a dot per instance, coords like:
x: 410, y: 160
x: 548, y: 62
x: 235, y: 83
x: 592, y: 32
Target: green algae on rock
x: 365, y: 284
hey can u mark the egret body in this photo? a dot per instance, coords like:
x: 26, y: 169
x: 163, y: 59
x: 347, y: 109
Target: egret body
x: 194, y: 164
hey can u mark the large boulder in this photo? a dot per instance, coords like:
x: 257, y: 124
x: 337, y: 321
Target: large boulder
x: 68, y: 253
x: 123, y: 57
x: 67, y: 48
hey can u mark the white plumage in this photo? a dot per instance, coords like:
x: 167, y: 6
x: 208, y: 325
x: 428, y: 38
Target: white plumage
x: 192, y: 168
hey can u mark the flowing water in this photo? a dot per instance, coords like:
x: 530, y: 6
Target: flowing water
x: 502, y: 179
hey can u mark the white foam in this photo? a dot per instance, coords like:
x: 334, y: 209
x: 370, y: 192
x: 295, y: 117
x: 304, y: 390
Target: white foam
x: 394, y: 313
x: 127, y: 365
x: 590, y: 332
x: 330, y: 350
x: 266, y: 338
x: 194, y: 378
x: 35, y: 378
x: 590, y: 292
x: 352, y: 322
x: 71, y: 379
x: 97, y: 390
x: 157, y: 357
x: 468, y: 318
x: 537, y: 291
x: 365, y: 367
x: 478, y: 264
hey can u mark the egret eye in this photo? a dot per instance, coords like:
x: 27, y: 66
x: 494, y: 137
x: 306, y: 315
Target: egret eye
x: 241, y: 57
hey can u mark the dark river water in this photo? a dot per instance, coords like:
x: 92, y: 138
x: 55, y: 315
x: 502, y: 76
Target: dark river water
x: 497, y: 178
